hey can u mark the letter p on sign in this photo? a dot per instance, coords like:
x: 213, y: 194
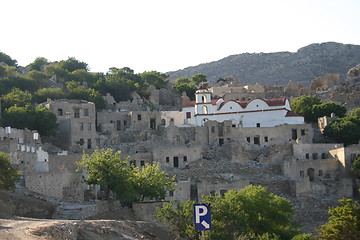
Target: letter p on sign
x: 202, y: 217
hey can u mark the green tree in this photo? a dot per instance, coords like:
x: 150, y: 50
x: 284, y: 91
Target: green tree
x: 354, y: 113
x: 55, y: 69
x: 43, y: 94
x: 326, y: 109
x: 2, y: 71
x: 179, y: 218
x: 343, y: 223
x: 109, y: 170
x: 38, y: 64
x: 40, y: 119
x: 304, y: 237
x: 154, y: 78
x: 251, y: 211
x: 149, y: 182
x: 199, y: 78
x: 81, y: 76
x: 77, y: 91
x: 16, y: 97
x: 344, y: 130
x: 303, y: 105
x: 355, y: 167
x: 21, y: 82
x: 7, y: 59
x: 44, y: 121
x: 8, y: 175
x: 120, y: 83
x: 185, y: 85
x: 40, y: 79
x: 17, y: 117
x: 72, y: 64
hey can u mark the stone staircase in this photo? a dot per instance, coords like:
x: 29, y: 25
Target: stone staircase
x: 76, y: 211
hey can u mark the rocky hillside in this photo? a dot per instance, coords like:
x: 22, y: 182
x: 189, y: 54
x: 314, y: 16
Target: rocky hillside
x: 279, y: 68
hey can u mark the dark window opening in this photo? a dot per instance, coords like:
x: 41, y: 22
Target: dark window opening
x: 76, y: 113
x: 60, y: 112
x: 163, y: 122
x: 301, y: 173
x: 89, y: 143
x: 307, y: 156
x: 124, y: 122
x: 222, y: 192
x: 118, y: 125
x: 302, y: 132
x: 171, y: 193
x: 188, y: 114
x: 89, y: 126
x: 81, y: 126
x: 220, y: 131
x: 257, y: 124
x: 212, y: 129
x: 153, y: 123
x: 257, y: 140
x: 86, y: 112
x: 266, y: 139
x: 139, y: 117
x: 315, y: 156
x: 167, y: 159
x: 310, y: 173
x: 321, y: 173
x: 185, y: 158
x: 323, y: 156
x: 176, y: 162
x: 233, y: 125
x: 142, y: 163
x: 248, y: 139
x: 294, y: 134
x: 221, y: 141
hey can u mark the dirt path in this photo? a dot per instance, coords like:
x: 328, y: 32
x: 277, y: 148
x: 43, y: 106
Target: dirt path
x: 46, y: 229
x: 18, y: 228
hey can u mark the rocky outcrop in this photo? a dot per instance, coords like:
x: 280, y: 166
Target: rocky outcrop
x: 279, y: 68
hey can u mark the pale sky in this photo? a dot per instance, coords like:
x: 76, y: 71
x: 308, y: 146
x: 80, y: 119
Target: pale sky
x: 168, y: 35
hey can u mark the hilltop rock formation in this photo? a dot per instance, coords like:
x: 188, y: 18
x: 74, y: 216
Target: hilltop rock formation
x: 303, y: 66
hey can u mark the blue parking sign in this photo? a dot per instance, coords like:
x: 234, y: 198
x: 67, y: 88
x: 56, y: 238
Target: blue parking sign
x: 202, y: 216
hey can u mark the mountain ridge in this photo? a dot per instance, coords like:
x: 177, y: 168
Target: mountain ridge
x: 278, y: 68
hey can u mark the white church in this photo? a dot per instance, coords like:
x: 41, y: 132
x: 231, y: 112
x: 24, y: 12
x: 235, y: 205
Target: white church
x: 251, y: 113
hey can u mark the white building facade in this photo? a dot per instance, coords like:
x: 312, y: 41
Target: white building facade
x: 251, y: 113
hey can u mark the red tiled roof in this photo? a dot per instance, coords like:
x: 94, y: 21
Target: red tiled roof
x: 275, y: 101
x: 189, y: 104
x: 243, y: 104
x: 270, y: 102
x: 202, y: 86
x: 292, y: 114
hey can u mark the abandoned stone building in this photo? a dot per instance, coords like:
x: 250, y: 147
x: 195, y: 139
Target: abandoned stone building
x: 210, y: 145
x: 76, y: 123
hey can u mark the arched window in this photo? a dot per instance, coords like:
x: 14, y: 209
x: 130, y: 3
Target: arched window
x: 310, y: 173
x: 204, y: 110
x: 203, y: 98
